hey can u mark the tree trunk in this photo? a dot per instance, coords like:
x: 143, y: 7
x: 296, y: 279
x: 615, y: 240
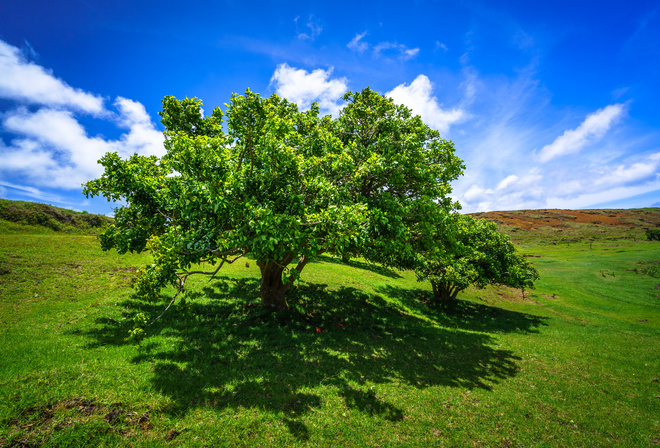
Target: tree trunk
x: 273, y: 289
x: 444, y: 293
x: 273, y: 286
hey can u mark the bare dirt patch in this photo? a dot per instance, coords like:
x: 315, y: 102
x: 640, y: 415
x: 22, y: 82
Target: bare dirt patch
x: 501, y: 293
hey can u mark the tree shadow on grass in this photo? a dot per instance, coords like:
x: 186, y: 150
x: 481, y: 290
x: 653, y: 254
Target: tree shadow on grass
x: 224, y: 351
x: 465, y: 315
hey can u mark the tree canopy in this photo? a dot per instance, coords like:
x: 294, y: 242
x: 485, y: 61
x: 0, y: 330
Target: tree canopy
x: 280, y: 185
x: 474, y: 253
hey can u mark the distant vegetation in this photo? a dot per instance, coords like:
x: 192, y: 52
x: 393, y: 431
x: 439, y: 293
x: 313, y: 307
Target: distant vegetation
x: 46, y: 217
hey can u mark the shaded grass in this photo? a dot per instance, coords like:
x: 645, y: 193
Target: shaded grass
x: 362, y: 358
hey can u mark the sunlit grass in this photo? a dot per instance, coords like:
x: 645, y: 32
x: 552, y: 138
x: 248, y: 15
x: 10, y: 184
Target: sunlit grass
x: 360, y: 360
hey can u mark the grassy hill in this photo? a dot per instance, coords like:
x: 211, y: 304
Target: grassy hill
x: 361, y: 360
x: 552, y: 226
x: 22, y: 217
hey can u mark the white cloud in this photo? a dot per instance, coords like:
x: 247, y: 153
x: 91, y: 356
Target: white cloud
x: 143, y: 137
x: 512, y: 192
x: 636, y: 173
x: 303, y: 87
x: 54, y: 150
x: 49, y: 147
x: 356, y: 45
x: 592, y: 129
x: 418, y: 97
x: 25, y: 81
x: 570, y: 189
x: 476, y: 194
x: 507, y: 181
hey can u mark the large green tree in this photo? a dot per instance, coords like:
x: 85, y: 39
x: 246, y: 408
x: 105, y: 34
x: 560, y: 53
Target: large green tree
x: 474, y: 252
x: 281, y: 185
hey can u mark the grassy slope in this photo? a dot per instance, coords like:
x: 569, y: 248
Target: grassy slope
x: 362, y: 360
x: 20, y: 217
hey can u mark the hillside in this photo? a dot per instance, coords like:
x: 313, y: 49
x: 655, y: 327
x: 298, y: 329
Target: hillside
x: 22, y: 217
x: 552, y: 226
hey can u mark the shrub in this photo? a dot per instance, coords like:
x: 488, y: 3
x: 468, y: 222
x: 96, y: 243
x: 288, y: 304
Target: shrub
x: 653, y: 234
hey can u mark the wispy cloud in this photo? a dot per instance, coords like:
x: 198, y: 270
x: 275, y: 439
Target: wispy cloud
x: 30, y: 83
x: 401, y: 50
x: 608, y: 195
x: 357, y: 45
x: 314, y: 27
x: 32, y: 193
x: 592, y: 129
x: 303, y: 87
x: 419, y: 97
x: 29, y: 51
x: 644, y: 40
x: 441, y: 46
x: 593, y: 162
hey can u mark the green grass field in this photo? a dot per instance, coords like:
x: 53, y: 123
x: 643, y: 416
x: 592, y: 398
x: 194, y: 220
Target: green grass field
x: 361, y: 359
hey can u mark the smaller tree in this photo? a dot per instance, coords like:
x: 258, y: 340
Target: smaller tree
x: 472, y: 253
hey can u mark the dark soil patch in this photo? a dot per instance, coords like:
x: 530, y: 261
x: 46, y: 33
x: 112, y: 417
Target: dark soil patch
x: 35, y: 425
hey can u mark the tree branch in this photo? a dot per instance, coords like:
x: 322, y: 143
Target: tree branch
x: 181, y: 284
x: 184, y: 276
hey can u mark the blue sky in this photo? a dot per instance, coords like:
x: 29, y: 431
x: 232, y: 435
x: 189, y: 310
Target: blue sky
x: 550, y: 104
